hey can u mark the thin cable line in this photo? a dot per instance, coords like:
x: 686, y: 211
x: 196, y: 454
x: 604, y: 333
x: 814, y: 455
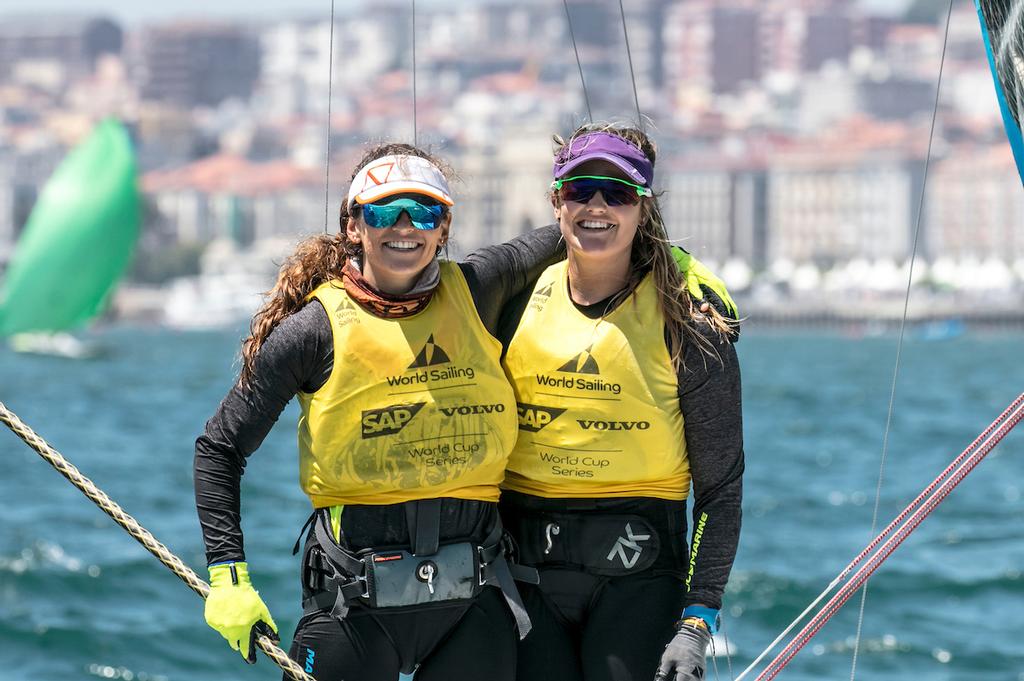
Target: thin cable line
x: 728, y: 652
x: 895, y: 526
x: 975, y: 454
x: 899, y: 345
x: 415, y: 125
x: 579, y: 64
x: 632, y: 73
x: 327, y: 155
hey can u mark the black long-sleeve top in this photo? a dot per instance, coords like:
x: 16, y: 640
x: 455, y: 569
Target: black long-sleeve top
x: 299, y: 356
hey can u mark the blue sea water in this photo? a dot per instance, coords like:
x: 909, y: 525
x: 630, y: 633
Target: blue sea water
x: 79, y: 599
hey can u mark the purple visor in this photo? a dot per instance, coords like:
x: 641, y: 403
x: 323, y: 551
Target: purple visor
x: 606, y: 147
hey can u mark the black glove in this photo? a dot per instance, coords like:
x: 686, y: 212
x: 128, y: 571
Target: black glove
x: 683, y: 659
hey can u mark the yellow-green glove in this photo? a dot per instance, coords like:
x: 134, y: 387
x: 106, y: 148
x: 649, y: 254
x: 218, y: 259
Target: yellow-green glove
x: 700, y: 280
x: 236, y: 610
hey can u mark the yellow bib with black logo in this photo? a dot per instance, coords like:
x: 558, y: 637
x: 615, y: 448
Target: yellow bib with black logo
x: 414, y: 408
x: 597, y: 399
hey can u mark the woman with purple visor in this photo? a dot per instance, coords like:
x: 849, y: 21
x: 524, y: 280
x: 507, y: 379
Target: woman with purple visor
x: 628, y: 392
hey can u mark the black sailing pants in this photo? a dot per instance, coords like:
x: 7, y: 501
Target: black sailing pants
x: 458, y: 642
x: 590, y: 628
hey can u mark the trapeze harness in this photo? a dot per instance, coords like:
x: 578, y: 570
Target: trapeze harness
x: 415, y: 409
x: 599, y: 475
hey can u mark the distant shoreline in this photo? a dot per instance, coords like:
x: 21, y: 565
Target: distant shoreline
x: 880, y: 316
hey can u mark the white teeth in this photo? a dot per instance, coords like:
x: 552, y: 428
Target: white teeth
x: 594, y: 224
x: 402, y: 245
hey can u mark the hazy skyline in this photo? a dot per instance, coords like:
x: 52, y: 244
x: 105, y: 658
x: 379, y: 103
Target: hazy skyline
x: 133, y: 12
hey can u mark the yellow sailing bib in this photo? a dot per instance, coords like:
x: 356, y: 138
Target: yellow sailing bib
x: 414, y: 408
x: 597, y: 399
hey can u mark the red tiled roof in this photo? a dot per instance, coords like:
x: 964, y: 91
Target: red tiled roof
x: 230, y: 174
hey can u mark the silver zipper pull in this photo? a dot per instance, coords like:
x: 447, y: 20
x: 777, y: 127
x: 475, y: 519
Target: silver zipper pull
x: 552, y: 529
x: 426, y: 574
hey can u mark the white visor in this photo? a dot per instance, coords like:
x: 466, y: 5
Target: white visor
x: 390, y: 175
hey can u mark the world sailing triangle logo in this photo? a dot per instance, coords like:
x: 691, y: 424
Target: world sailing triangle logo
x: 540, y: 297
x: 430, y: 355
x: 583, y: 363
x: 345, y: 312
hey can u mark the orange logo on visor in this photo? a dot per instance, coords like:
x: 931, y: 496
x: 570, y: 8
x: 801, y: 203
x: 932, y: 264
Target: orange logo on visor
x: 378, y: 175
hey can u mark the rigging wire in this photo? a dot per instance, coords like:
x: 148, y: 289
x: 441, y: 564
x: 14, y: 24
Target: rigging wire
x: 415, y: 126
x: 728, y: 651
x: 889, y: 416
x: 327, y: 156
x: 896, y: 522
x: 579, y: 64
x: 632, y: 73
x: 899, y: 344
x: 926, y: 501
x: 996, y: 432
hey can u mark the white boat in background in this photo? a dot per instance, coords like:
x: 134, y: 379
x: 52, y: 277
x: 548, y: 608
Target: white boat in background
x: 212, y: 301
x: 230, y: 288
x: 54, y: 345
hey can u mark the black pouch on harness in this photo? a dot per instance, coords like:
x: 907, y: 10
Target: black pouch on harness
x: 601, y: 544
x: 397, y: 578
x: 335, y: 578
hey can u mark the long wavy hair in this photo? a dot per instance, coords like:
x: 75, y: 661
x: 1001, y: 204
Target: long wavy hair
x: 316, y: 260
x: 652, y: 253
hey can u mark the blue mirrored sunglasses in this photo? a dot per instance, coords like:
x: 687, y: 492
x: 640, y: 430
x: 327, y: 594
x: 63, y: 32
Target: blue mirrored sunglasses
x: 422, y: 215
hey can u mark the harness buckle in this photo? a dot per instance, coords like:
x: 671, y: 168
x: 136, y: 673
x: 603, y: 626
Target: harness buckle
x: 365, y: 586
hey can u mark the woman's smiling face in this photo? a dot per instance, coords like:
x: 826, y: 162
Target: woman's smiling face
x: 596, y: 228
x: 394, y: 257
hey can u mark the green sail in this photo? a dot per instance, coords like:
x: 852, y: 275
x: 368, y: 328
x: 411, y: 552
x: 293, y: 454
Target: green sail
x: 78, y: 239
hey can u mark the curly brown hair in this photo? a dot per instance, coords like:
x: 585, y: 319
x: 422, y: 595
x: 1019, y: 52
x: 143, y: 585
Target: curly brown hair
x: 652, y: 252
x: 316, y: 260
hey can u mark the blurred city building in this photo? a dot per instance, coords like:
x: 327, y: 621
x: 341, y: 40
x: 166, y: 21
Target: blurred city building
x: 49, y: 52
x: 792, y: 134
x: 197, y: 64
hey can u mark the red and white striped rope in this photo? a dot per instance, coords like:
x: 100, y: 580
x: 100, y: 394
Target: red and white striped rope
x: 899, y: 529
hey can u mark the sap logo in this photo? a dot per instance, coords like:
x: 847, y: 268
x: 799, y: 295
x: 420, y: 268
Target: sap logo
x: 389, y: 420
x: 533, y: 417
x: 613, y: 425
x: 468, y: 409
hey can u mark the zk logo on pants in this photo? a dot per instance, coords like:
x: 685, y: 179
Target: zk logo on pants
x: 632, y: 543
